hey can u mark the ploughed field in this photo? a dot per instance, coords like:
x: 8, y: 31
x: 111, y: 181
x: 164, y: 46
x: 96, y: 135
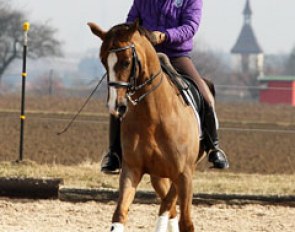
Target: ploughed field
x: 258, y: 138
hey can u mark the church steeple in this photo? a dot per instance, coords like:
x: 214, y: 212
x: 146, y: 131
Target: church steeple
x: 247, y: 42
x: 247, y: 45
x: 247, y: 13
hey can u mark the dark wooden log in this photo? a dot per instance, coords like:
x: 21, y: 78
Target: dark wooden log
x: 32, y: 188
x: 240, y: 199
x: 144, y: 197
x: 103, y: 195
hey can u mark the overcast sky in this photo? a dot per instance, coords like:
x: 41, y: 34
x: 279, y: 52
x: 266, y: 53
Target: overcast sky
x: 273, y: 21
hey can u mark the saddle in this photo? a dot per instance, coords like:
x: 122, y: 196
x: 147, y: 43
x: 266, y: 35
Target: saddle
x: 187, y: 88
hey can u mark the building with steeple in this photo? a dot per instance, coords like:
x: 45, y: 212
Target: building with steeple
x: 248, y: 56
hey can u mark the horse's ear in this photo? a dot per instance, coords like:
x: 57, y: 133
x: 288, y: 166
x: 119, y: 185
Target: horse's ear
x: 96, y: 30
x: 134, y: 26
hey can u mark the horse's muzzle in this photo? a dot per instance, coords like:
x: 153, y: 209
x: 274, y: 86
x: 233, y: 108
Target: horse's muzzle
x: 122, y: 110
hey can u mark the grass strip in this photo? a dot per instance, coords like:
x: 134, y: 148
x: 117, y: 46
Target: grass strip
x: 87, y: 175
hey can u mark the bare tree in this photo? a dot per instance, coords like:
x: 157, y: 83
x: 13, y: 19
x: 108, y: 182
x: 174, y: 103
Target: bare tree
x: 42, y: 41
x: 290, y: 65
x: 211, y: 66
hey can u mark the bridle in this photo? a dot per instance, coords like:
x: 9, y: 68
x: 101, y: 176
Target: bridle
x: 132, y: 86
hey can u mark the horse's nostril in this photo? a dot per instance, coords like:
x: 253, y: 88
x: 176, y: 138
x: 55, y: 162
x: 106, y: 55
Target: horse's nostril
x: 122, y: 110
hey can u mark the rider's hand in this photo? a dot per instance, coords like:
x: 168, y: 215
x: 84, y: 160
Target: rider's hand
x: 160, y: 37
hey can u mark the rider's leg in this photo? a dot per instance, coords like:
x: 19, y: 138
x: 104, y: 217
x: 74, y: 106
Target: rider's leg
x: 184, y: 65
x: 111, y: 162
x: 211, y: 142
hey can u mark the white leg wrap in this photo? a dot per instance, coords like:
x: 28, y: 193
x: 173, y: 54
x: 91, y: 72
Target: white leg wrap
x: 117, y: 227
x: 173, y: 225
x: 162, y: 223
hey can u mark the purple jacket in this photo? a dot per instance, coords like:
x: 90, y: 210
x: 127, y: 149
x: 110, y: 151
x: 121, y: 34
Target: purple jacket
x: 178, y: 19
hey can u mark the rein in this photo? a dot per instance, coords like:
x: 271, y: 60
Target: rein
x: 132, y: 86
x: 147, y: 82
x: 82, y: 107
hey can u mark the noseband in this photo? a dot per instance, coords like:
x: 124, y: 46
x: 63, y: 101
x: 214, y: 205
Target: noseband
x: 132, y: 86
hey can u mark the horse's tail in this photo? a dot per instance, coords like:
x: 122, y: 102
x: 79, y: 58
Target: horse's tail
x: 211, y: 86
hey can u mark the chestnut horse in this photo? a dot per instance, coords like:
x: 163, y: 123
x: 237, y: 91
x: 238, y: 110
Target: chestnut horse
x: 159, y: 131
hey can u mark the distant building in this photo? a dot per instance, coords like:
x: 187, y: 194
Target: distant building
x: 248, y: 56
x: 277, y: 90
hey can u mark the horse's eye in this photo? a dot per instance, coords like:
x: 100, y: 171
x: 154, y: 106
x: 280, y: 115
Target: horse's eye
x: 125, y: 64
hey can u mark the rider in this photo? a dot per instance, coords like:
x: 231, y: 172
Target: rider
x: 174, y: 24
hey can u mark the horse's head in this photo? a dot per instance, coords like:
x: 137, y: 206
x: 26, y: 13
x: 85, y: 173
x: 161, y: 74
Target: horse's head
x: 122, y: 54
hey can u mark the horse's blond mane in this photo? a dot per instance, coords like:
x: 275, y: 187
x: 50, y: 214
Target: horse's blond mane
x: 148, y: 34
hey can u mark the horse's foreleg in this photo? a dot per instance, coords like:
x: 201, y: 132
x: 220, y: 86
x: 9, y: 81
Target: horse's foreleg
x: 128, y: 183
x: 170, y: 203
x: 185, y: 195
x: 167, y: 213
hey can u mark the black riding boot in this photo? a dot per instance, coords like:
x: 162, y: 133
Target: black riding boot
x: 215, y: 154
x: 111, y: 162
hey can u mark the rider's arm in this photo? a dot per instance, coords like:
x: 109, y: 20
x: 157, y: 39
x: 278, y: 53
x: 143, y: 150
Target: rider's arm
x: 190, y: 21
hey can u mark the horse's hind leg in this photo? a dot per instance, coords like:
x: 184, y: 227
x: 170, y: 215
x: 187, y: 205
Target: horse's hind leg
x: 185, y: 195
x: 129, y: 180
x: 167, y: 213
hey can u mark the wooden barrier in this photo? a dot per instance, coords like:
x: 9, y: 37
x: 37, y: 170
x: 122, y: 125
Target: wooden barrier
x: 103, y: 195
x: 32, y: 188
x: 144, y: 197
